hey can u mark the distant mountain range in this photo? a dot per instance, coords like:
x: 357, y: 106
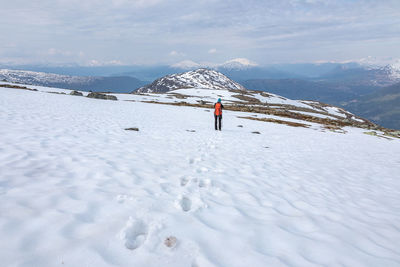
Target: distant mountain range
x: 118, y: 84
x: 349, y: 85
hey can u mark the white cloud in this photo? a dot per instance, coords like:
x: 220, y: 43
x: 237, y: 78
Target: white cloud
x: 52, y: 51
x: 59, y: 52
x: 186, y: 64
x: 212, y: 51
x: 175, y: 53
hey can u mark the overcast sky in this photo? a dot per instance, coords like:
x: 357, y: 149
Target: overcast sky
x: 91, y: 32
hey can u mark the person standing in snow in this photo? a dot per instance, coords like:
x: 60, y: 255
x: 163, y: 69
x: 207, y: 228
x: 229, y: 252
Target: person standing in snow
x: 218, y: 114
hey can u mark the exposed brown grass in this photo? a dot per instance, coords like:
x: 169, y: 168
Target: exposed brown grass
x: 179, y: 96
x: 334, y: 128
x: 392, y: 133
x: 58, y: 93
x: 269, y: 110
x: 289, y: 123
x: 373, y: 133
x: 249, y: 99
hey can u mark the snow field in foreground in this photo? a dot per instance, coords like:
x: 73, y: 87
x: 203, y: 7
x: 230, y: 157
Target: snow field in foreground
x: 76, y: 189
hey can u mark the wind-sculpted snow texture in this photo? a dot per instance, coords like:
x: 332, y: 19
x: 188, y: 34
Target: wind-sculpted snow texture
x: 76, y: 189
x: 200, y: 78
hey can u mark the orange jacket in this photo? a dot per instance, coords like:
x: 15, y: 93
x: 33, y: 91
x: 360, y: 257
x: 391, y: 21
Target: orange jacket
x: 218, y: 109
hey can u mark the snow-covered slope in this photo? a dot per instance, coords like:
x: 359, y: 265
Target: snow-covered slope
x: 244, y: 100
x: 76, y: 189
x: 200, y: 78
x: 265, y: 103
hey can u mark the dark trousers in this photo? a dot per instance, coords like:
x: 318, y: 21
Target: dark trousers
x: 218, y: 119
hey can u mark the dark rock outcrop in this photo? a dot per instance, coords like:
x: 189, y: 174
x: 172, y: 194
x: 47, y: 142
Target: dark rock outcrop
x: 132, y: 129
x: 101, y: 96
x: 76, y: 93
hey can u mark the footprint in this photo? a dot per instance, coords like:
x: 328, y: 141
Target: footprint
x: 202, y: 169
x: 166, y: 187
x: 184, y: 181
x: 204, y: 183
x: 123, y: 198
x: 134, y: 234
x: 185, y: 203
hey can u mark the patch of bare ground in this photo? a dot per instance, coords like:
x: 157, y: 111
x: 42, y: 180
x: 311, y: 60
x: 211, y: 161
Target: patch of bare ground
x: 143, y: 94
x: 289, y: 123
x: 182, y: 103
x: 291, y: 108
x: 202, y: 102
x: 17, y: 87
x: 270, y: 110
x: 178, y: 96
x: 248, y: 99
x: 58, y: 93
x: 392, y: 133
x: 318, y: 106
x: 334, y: 128
x: 386, y: 134
x: 340, y: 122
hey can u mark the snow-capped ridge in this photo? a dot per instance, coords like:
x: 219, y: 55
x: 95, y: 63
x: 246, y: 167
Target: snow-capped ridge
x: 389, y: 68
x: 238, y: 63
x: 39, y: 78
x: 393, y: 70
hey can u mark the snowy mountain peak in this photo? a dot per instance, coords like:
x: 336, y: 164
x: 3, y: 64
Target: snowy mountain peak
x: 238, y: 63
x: 394, y: 69
x: 389, y: 68
x: 200, y: 78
